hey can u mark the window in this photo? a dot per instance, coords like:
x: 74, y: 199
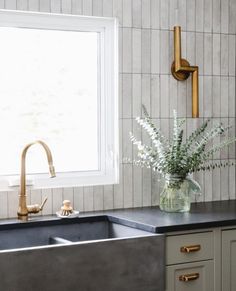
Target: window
x: 58, y: 83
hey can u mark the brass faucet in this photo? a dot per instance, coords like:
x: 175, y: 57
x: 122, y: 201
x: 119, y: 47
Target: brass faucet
x: 24, y: 209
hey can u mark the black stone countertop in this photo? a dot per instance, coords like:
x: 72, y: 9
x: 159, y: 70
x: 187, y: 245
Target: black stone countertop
x: 201, y: 215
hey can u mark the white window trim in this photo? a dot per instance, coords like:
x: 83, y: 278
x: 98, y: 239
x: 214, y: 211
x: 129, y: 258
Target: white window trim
x: 108, y: 29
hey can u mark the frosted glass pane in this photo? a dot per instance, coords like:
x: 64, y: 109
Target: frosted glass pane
x: 49, y: 91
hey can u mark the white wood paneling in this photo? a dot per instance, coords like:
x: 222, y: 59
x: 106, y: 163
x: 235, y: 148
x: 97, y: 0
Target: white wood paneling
x: 87, y: 7
x: 155, y: 96
x: 155, y: 14
x: 33, y: 5
x: 12, y: 203
x: 146, y: 51
x: 107, y: 8
x: 146, y: 91
x: 55, y: 6
x: 232, y: 16
x: 76, y: 6
x: 79, y: 198
x: 137, y: 13
x: 136, y: 50
x: 224, y: 96
x: 44, y: 5
x: 4, y: 205
x: 66, y: 6
x: 216, y: 100
x: 164, y: 96
x: 207, y: 85
x: 127, y: 145
x: 47, y: 210
x: 155, y: 51
x: 232, y: 181
x: 128, y: 185
x: 224, y: 62
x: 68, y: 194
x: 137, y: 95
x: 57, y: 199
x: 119, y: 191
x: 216, y: 16
x: 146, y: 8
x: 216, y: 54
x: 118, y: 9
x: 108, y: 196
x: 224, y: 19
x: 163, y: 12
x: 191, y: 15
x: 200, y: 52
x: 127, y: 96
x: 22, y: 5
x: 224, y: 183
x: 182, y: 13
x: 146, y: 180
x: 164, y: 52
x: 231, y: 54
x: 138, y: 187
x: 127, y: 50
x: 10, y: 4
x: 97, y: 7
x: 208, y: 49
x: 88, y: 199
x: 199, y: 15
x: 216, y: 179
x: 98, y: 196
x: 231, y: 97
x: 127, y: 13
x: 208, y: 15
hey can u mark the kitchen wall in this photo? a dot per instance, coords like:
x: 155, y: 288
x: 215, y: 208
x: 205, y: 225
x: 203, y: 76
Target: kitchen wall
x: 146, y: 54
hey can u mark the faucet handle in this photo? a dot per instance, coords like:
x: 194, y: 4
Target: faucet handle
x: 43, y: 203
x: 35, y: 208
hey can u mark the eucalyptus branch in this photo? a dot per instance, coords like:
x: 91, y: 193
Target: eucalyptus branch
x: 176, y: 156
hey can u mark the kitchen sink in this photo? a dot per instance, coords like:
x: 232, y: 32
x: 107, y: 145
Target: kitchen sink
x: 80, y: 254
x: 72, y: 230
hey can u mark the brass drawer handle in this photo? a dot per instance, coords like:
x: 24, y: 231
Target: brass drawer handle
x: 189, y: 277
x: 190, y: 249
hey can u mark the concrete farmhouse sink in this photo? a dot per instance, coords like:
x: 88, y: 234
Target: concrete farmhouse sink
x: 80, y: 254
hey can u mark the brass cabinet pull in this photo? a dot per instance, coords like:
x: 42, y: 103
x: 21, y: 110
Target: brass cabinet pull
x: 189, y: 277
x: 190, y: 249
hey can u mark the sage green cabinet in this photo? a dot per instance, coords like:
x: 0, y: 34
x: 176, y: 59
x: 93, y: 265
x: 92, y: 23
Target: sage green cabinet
x: 201, y: 260
x: 190, y: 261
x: 197, y: 276
x: 229, y: 260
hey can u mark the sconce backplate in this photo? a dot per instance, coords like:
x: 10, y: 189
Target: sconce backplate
x: 180, y: 75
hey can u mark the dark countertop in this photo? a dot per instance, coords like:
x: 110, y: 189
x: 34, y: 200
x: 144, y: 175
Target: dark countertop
x: 201, y: 215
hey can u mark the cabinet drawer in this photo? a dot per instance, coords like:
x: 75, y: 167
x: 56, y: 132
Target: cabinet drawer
x: 190, y: 277
x: 189, y: 248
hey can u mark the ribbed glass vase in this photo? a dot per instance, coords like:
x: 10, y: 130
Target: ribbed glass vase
x: 177, y: 192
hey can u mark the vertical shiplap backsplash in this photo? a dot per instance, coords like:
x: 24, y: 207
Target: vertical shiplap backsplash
x: 145, y: 57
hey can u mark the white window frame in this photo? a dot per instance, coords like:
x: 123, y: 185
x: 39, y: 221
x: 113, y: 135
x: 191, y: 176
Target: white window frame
x: 108, y: 172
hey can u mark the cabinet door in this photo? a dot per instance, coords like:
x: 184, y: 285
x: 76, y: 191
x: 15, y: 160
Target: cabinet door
x: 229, y: 260
x: 197, y: 276
x: 174, y: 245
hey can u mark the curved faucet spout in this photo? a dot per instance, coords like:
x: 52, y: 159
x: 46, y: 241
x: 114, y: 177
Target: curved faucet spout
x: 23, y: 209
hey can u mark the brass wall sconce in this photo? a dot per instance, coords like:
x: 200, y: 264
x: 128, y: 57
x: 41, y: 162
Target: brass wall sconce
x: 181, y: 70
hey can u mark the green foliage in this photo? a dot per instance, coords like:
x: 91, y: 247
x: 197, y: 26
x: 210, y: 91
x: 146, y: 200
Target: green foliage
x: 176, y: 156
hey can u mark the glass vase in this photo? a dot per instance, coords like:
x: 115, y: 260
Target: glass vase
x: 177, y: 192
